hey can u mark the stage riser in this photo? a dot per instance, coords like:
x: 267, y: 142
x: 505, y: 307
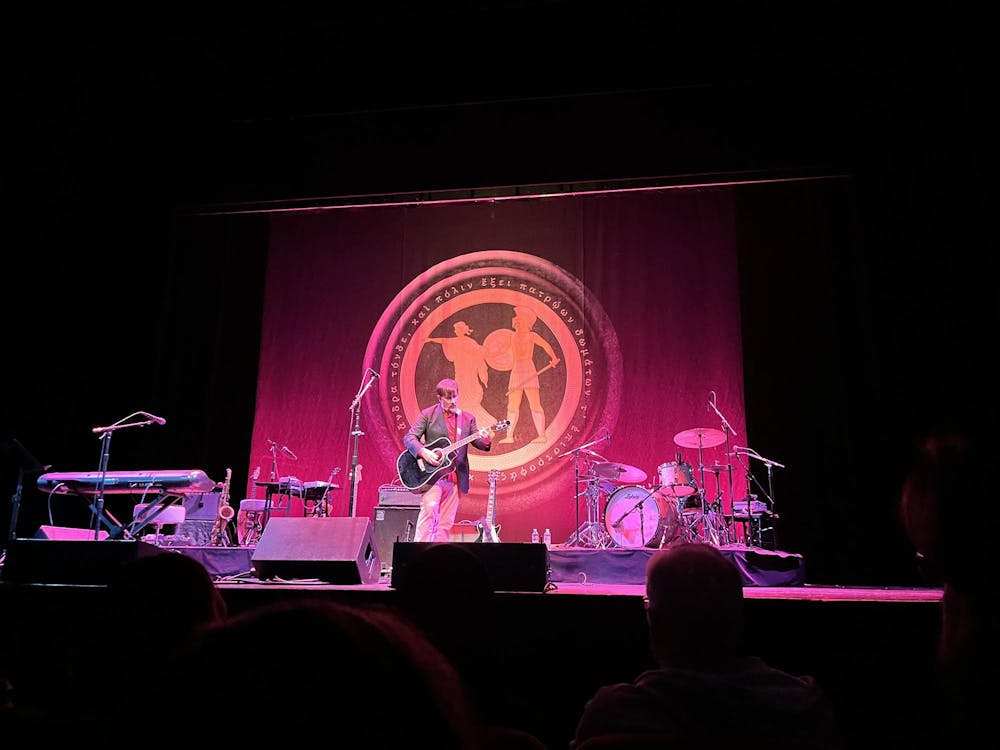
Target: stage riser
x: 628, y: 566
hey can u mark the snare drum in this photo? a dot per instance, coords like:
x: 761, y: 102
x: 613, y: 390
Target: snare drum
x: 636, y: 517
x: 676, y: 479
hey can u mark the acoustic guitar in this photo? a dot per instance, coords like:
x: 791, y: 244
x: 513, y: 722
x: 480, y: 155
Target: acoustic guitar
x: 419, y: 476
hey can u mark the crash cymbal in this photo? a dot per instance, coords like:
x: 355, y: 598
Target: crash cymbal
x: 700, y: 437
x: 620, y: 472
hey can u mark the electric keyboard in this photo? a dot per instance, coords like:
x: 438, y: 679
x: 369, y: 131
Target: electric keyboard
x: 176, y: 481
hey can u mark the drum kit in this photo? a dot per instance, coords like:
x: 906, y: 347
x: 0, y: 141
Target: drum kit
x: 676, y: 507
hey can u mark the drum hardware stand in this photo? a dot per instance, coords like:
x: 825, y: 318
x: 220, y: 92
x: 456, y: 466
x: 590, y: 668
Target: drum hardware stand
x: 701, y: 438
x: 591, y: 533
x: 719, y: 532
x: 713, y: 531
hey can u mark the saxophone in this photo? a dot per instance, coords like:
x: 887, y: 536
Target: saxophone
x: 219, y: 537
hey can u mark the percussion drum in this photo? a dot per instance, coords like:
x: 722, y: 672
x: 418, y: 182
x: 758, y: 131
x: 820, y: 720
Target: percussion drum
x: 636, y: 517
x: 676, y: 479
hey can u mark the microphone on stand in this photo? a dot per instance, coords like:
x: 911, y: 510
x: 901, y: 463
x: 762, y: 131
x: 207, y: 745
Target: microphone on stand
x: 288, y: 452
x: 711, y: 400
x: 373, y: 372
x: 118, y: 425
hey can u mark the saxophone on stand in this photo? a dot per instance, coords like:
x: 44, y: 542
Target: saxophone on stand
x: 219, y: 536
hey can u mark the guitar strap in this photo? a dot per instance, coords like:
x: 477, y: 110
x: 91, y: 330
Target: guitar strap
x: 453, y: 421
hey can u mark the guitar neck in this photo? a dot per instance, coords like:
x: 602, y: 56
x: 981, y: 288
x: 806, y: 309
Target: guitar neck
x: 452, y: 447
x: 491, y: 507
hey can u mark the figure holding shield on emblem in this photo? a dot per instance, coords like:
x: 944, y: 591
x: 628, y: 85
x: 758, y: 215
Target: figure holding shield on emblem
x: 471, y: 372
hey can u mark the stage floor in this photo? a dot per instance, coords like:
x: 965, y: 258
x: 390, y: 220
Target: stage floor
x: 566, y: 565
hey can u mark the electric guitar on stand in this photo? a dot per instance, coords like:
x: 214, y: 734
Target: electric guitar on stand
x: 249, y: 519
x: 489, y: 531
x: 418, y: 476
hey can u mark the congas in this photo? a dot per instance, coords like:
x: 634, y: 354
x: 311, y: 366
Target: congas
x: 676, y: 479
x: 636, y: 517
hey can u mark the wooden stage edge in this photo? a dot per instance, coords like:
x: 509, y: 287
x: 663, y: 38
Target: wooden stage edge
x: 805, y: 592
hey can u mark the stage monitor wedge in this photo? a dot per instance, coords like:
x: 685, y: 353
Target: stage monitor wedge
x: 70, y: 561
x: 512, y: 566
x: 338, y: 550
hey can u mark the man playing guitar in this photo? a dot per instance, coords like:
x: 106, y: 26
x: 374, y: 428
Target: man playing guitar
x: 445, y: 424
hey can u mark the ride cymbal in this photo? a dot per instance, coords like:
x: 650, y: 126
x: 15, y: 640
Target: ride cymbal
x: 700, y: 437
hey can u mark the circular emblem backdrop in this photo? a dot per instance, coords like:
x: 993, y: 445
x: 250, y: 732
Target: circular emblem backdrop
x: 527, y: 344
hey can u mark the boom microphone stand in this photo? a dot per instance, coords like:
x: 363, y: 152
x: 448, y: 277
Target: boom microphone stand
x: 26, y: 463
x: 768, y: 493
x: 105, y: 433
x: 355, y: 434
x: 728, y: 430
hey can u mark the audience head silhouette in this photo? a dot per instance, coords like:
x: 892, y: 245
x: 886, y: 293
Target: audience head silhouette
x: 167, y: 593
x: 360, y: 677
x: 695, y: 596
x: 949, y: 473
x: 705, y: 689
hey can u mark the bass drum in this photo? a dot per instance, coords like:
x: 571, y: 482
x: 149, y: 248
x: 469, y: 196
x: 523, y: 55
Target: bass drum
x: 636, y: 517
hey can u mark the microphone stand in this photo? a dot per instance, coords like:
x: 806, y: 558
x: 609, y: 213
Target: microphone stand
x: 728, y: 430
x: 16, y: 502
x: 355, y: 434
x: 769, y: 492
x: 272, y: 486
x: 25, y: 462
x: 102, y: 471
x: 642, y: 519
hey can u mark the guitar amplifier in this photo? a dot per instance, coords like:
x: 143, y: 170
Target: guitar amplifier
x: 393, y: 523
x: 397, y: 495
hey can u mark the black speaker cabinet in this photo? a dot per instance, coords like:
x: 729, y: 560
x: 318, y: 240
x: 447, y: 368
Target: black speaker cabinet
x: 512, y: 566
x: 68, y: 534
x: 44, y: 560
x: 335, y: 550
x: 393, y: 524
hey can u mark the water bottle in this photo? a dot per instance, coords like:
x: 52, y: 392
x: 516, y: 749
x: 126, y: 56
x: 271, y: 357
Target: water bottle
x: 534, y: 536
x: 547, y: 538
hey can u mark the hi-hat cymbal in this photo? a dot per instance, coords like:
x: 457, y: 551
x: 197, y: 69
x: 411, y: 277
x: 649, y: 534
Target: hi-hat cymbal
x: 620, y: 472
x: 700, y: 437
x: 717, y: 469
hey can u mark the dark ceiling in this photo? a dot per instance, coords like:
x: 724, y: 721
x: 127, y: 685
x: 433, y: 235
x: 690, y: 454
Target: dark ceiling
x: 229, y: 104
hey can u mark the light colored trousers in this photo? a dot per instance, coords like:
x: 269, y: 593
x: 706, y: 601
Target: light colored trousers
x: 438, y: 508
